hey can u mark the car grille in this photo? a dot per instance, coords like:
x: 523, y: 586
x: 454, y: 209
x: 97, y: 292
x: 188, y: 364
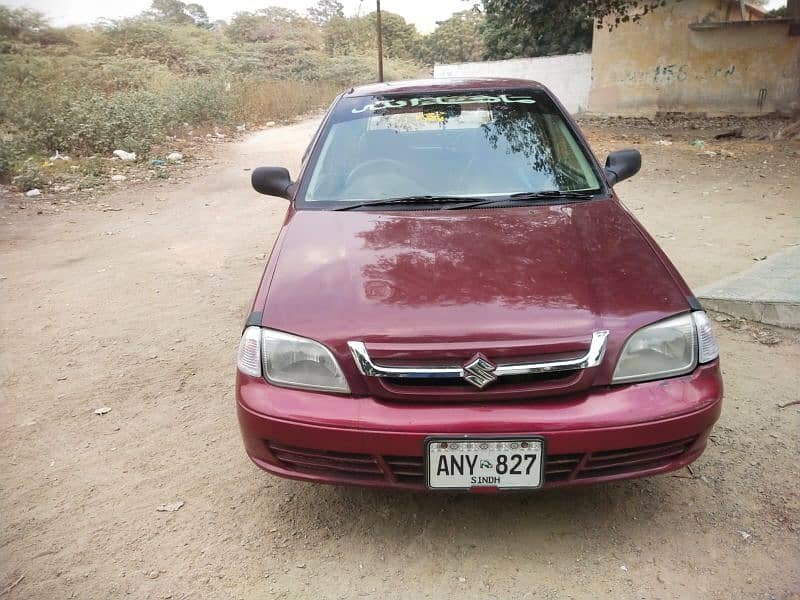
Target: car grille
x: 408, y: 471
x: 508, y: 381
x: 525, y: 371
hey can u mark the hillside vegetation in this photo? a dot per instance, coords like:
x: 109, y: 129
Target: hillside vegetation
x: 135, y: 84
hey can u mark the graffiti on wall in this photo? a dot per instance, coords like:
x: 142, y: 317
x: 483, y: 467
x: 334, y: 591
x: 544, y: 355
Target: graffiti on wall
x: 666, y: 74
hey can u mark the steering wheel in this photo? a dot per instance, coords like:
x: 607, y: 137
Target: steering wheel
x: 393, y: 166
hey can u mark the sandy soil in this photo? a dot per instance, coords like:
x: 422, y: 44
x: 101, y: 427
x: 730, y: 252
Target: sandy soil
x: 139, y: 310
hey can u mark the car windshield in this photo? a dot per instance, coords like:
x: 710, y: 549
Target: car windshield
x: 487, y: 145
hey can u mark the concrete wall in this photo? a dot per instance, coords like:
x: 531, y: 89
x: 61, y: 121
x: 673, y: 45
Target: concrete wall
x: 663, y: 64
x: 569, y: 75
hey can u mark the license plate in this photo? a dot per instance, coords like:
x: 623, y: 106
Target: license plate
x: 461, y: 464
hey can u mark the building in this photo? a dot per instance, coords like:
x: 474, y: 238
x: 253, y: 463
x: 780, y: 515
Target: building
x: 709, y: 56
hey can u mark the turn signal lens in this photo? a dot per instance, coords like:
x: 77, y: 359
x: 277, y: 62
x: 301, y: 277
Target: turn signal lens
x: 707, y: 342
x: 249, y: 359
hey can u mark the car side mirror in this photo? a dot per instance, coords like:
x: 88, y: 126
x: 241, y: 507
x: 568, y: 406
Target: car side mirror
x: 273, y: 181
x: 621, y: 165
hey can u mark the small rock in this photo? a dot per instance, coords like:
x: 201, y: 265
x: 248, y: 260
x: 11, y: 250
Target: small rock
x: 171, y: 507
x: 153, y: 575
x: 33, y: 193
x: 663, y: 143
x: 624, y: 568
x: 118, y: 178
x: 744, y: 534
x: 270, y: 123
x: 157, y: 162
x: 301, y: 565
x: 102, y: 410
x: 123, y: 155
x: 462, y: 580
x: 241, y: 127
x: 174, y: 156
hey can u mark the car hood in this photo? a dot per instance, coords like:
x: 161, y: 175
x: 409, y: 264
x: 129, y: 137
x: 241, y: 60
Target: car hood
x: 541, y: 272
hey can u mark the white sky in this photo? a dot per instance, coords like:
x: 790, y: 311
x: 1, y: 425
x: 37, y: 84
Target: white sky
x: 423, y: 13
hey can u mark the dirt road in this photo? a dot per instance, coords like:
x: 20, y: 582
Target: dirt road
x: 139, y: 310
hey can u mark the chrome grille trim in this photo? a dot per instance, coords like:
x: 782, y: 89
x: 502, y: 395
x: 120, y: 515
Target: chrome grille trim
x: 592, y: 358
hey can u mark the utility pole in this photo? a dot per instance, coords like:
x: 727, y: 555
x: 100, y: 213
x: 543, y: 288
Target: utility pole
x: 380, y: 42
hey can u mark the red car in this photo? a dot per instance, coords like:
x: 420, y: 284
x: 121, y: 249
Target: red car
x: 457, y: 300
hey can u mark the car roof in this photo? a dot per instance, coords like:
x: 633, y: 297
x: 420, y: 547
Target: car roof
x: 444, y: 84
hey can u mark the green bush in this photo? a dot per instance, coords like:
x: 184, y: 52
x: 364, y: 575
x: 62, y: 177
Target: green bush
x: 129, y: 84
x: 28, y: 175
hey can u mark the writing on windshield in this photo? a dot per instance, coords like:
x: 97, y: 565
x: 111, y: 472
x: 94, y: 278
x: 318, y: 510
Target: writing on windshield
x: 444, y: 100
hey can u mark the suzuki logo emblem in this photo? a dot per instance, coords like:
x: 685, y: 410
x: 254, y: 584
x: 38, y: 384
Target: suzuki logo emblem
x: 479, y: 371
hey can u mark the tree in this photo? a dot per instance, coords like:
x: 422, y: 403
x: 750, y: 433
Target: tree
x: 17, y: 22
x: 777, y: 13
x: 198, y: 15
x: 400, y: 39
x: 508, y: 34
x: 457, y: 39
x: 324, y: 11
x: 24, y: 25
x: 179, y: 13
x: 542, y: 27
x: 282, y: 26
x: 357, y: 35
x: 144, y: 38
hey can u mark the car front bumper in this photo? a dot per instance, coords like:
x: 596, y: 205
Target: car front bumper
x: 603, y: 434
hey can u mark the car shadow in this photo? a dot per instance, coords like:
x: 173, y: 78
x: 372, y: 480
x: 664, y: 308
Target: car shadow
x: 474, y: 518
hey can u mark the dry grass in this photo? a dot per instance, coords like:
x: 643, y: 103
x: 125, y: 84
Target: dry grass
x: 256, y: 102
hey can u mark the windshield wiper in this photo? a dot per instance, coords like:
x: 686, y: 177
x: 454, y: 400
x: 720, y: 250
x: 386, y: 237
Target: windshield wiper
x: 554, y: 194
x: 415, y: 200
x: 546, y: 196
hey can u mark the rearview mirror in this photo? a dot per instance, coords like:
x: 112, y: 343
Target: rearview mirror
x: 621, y: 165
x: 272, y: 181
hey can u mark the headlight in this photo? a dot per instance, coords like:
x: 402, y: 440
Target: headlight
x: 289, y: 361
x: 667, y: 348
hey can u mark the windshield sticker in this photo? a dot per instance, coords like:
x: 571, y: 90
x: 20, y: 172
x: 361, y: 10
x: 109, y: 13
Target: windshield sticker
x: 445, y: 100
